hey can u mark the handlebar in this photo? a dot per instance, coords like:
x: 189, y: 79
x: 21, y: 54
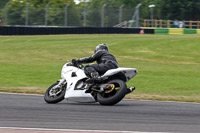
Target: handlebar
x: 75, y: 64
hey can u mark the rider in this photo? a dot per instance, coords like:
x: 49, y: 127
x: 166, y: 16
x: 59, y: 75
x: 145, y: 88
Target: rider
x: 105, y: 61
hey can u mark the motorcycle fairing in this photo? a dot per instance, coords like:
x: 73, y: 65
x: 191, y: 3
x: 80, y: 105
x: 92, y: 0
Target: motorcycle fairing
x: 77, y: 95
x: 67, y: 71
x: 72, y: 94
x: 128, y: 72
x: 80, y: 95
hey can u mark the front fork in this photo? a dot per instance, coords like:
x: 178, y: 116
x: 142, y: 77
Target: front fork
x: 60, y: 84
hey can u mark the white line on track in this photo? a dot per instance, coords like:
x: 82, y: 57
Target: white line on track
x: 23, y: 94
x: 74, y: 130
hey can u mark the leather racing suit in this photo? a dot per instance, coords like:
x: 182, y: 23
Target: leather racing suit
x: 105, y: 61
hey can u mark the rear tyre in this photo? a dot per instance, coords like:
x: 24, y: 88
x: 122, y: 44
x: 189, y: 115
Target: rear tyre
x: 115, y: 96
x: 54, y: 95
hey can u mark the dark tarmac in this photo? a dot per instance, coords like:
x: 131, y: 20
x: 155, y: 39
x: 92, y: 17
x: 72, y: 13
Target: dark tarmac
x: 31, y: 111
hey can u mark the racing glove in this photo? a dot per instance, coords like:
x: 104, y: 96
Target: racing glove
x: 75, y: 61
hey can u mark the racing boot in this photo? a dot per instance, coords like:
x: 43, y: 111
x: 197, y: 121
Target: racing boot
x: 130, y: 89
x: 94, y: 78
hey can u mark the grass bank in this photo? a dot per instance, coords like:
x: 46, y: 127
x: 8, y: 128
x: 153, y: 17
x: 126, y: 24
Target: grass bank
x: 169, y: 65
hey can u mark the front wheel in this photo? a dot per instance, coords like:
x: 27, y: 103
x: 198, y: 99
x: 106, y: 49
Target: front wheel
x: 115, y: 94
x: 54, y: 94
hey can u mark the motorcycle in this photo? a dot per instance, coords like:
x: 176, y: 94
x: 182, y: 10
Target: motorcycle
x: 75, y: 86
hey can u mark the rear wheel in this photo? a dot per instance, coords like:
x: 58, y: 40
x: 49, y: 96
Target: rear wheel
x: 54, y: 94
x: 115, y: 92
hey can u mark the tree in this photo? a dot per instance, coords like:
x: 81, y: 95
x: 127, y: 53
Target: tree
x: 3, y: 3
x: 181, y: 9
x: 17, y: 12
x: 164, y: 9
x: 2, y: 6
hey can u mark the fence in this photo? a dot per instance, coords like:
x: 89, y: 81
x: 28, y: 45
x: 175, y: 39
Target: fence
x: 66, y: 16
x: 172, y: 24
x: 106, y: 16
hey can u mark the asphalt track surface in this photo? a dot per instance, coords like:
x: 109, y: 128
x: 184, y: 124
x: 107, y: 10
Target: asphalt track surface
x: 31, y: 112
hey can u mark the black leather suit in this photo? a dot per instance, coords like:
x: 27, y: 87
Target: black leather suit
x: 104, y: 59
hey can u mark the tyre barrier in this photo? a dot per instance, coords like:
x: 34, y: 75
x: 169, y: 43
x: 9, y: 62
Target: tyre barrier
x: 51, y: 30
x: 176, y: 31
x: 190, y: 31
x: 161, y: 31
x: 198, y: 31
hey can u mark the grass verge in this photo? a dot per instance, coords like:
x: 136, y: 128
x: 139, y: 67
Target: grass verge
x: 168, y: 64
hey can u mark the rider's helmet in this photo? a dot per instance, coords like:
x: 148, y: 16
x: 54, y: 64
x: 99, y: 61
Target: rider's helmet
x: 101, y: 47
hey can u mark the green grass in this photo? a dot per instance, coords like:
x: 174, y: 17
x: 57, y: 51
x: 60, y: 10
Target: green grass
x: 169, y: 65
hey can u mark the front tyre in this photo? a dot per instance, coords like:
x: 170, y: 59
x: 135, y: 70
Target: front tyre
x: 115, y: 95
x: 54, y: 94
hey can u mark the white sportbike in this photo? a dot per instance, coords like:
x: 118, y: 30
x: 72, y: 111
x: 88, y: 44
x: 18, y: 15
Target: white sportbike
x: 109, y: 89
